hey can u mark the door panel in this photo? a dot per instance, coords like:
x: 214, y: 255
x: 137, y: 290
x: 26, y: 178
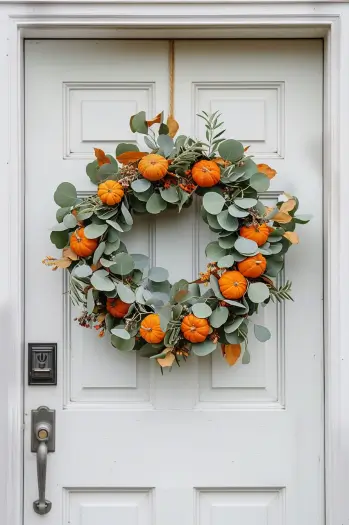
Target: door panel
x: 206, y: 443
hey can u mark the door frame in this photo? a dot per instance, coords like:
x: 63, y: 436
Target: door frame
x: 176, y: 19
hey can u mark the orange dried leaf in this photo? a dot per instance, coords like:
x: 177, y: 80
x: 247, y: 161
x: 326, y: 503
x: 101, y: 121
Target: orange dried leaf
x: 101, y: 157
x: 65, y: 262
x: 267, y: 170
x: 173, y: 126
x: 282, y: 217
x: 155, y: 120
x: 246, y: 148
x: 292, y: 237
x: 288, y: 206
x: 131, y: 156
x: 231, y: 353
x: 166, y: 361
x: 222, y: 162
x: 68, y: 252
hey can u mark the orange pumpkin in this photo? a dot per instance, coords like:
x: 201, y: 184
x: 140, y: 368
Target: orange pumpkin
x: 232, y: 285
x: 256, y: 232
x: 195, y: 329
x: 110, y: 192
x: 81, y: 245
x: 150, y: 329
x: 206, y: 173
x: 153, y: 167
x: 253, y: 266
x: 117, y: 307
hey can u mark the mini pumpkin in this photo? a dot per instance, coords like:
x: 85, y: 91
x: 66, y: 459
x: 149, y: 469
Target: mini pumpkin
x: 110, y: 192
x: 232, y: 285
x: 117, y: 307
x: 206, y: 173
x: 81, y: 245
x: 195, y: 329
x: 256, y: 232
x: 150, y: 329
x: 153, y: 167
x: 253, y: 266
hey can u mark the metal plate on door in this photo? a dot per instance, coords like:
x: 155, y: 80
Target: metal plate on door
x: 42, y: 363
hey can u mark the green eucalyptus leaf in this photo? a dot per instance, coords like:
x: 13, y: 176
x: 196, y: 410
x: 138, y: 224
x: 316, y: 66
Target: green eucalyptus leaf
x: 259, y: 182
x: 170, y: 194
x: 234, y: 211
x: 246, y: 358
x: 227, y: 242
x: 101, y: 281
x: 148, y: 350
x: 245, y: 203
x: 121, y: 332
x: 60, y: 227
x: 225, y: 262
x: 65, y: 195
x: 205, y: 348
x: 245, y: 246
x: 123, y: 264
x: 214, y: 251
x: 92, y: 231
x: 158, y: 274
x: 126, y: 215
x: 107, y: 172
x: 125, y: 293
x: 138, y: 123
x: 140, y: 185
x: 98, y: 252
x: 90, y: 301
x: 59, y: 239
x: 215, y: 287
x: 166, y: 144
x: 70, y: 221
x: 140, y: 261
x: 111, y: 247
x: 114, y: 225
x: 219, y: 316
x: 92, y: 170
x: 61, y: 213
x: 234, y: 325
x: 125, y: 345
x: 82, y: 270
x: 201, y: 310
x: 213, y: 202
x: 156, y: 203
x: 262, y: 333
x: 231, y: 150
x: 227, y: 221
x: 258, y: 292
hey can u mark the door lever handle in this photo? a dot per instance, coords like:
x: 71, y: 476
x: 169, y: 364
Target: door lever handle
x: 42, y: 442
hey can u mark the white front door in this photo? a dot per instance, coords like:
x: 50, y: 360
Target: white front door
x: 205, y: 444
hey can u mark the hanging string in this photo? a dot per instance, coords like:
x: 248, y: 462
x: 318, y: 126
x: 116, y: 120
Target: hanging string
x: 171, y: 64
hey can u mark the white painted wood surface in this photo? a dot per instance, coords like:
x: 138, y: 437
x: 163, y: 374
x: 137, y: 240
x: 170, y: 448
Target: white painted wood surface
x: 240, y: 444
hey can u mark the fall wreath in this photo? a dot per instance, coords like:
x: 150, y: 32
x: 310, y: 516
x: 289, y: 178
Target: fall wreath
x: 121, y: 295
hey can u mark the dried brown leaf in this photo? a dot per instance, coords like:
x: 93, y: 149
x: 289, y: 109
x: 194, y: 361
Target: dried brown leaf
x: 231, y: 353
x: 173, y: 126
x: 292, y: 237
x: 131, y: 156
x: 101, y: 157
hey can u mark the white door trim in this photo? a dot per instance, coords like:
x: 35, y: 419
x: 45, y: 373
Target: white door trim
x: 88, y: 19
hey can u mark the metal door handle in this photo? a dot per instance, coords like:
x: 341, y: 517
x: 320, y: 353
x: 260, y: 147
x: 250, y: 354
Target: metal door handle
x: 42, y: 505
x: 42, y: 442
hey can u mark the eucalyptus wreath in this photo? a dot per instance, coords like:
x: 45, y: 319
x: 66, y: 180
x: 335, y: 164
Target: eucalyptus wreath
x: 136, y: 305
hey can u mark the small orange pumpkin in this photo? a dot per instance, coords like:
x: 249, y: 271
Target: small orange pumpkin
x: 253, y: 266
x: 153, y: 167
x: 232, y: 285
x: 150, y: 329
x: 81, y: 245
x: 110, y: 192
x: 256, y: 232
x: 195, y: 329
x: 117, y: 307
x: 206, y: 173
